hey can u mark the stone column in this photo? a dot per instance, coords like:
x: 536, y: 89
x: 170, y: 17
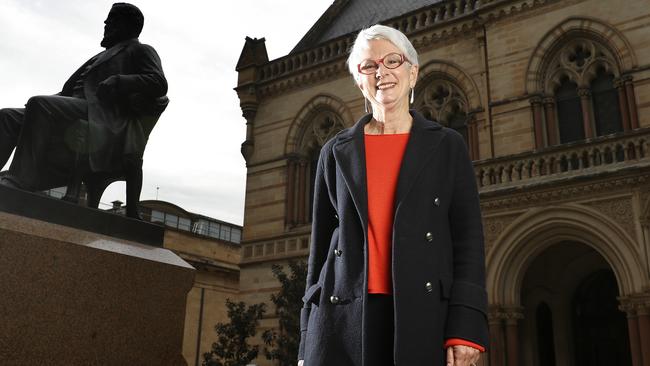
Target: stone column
x: 248, y: 112
x: 291, y: 193
x: 302, y: 168
x: 472, y: 136
x: 536, y: 105
x: 497, y: 349
x: 512, y: 317
x: 633, y: 331
x: 643, y: 313
x: 551, y: 123
x: 585, y: 103
x: 631, y: 102
x: 622, y: 103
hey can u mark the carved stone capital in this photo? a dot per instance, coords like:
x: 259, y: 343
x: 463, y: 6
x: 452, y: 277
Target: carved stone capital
x: 536, y: 100
x: 636, y: 304
x: 248, y: 112
x: 584, y: 92
x: 627, y: 79
x: 548, y: 100
x: 619, y: 82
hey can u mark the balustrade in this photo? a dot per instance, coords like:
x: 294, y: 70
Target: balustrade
x: 576, y: 158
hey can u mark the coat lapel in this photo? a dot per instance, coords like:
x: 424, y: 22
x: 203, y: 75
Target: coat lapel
x: 424, y: 138
x: 349, y: 152
x: 111, y: 52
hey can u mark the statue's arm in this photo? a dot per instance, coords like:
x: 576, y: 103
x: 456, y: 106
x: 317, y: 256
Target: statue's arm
x: 69, y: 84
x: 148, y: 77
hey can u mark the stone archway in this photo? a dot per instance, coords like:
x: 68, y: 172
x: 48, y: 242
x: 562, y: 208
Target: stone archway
x: 570, y: 310
x: 528, y: 237
x: 317, y: 122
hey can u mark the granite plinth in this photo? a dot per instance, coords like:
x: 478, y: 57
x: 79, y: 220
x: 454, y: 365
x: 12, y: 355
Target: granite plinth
x: 75, y: 297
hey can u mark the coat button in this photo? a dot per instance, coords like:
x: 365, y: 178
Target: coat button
x: 334, y: 299
x: 428, y: 286
x: 338, y: 252
x: 436, y: 201
x: 429, y: 237
x: 336, y: 216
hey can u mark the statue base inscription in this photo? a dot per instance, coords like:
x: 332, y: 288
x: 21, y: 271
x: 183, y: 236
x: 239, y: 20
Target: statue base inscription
x: 74, y: 297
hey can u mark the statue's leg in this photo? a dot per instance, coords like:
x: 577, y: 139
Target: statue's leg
x: 96, y: 184
x: 11, y: 122
x: 133, y: 172
x: 45, y: 153
x: 77, y: 138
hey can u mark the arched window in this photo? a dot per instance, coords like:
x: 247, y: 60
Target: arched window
x: 457, y: 119
x: 585, y: 95
x: 301, y: 167
x: 607, y: 112
x: 569, y: 111
x: 443, y: 101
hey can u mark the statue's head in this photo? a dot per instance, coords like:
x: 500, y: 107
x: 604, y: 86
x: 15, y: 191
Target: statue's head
x: 124, y: 22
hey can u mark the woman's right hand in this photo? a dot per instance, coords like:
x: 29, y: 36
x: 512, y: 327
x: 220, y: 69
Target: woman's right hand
x: 301, y: 362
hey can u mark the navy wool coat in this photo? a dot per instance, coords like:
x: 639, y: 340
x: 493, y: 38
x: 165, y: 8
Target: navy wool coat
x: 438, y: 266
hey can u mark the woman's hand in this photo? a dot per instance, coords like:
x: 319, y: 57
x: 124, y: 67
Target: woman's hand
x: 460, y: 355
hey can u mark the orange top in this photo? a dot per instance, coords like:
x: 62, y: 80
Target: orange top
x: 384, y: 155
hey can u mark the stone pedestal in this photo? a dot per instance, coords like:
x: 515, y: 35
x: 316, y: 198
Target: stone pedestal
x: 75, y: 297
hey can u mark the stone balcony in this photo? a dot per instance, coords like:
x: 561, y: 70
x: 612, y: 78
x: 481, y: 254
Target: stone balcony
x: 581, y: 159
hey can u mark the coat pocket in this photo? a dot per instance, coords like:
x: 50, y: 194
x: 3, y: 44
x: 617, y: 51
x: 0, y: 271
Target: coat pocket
x: 312, y: 295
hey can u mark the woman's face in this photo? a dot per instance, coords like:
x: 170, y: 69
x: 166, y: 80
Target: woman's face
x: 386, y: 87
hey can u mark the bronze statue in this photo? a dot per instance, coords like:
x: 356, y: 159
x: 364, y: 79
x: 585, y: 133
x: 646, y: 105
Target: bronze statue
x: 95, y: 130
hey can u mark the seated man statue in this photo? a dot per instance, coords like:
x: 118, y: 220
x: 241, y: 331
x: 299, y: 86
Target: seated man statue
x: 98, y: 125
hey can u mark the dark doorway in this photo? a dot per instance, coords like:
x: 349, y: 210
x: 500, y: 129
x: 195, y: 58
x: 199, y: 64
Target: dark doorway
x: 600, y: 328
x: 545, y: 341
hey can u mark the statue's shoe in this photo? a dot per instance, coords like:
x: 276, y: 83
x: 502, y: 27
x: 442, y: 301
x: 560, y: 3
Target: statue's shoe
x: 7, y: 182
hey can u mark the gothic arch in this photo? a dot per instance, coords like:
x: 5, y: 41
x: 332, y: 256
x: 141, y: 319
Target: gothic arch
x: 446, y: 93
x: 318, y: 121
x: 452, y: 72
x: 590, y: 28
x: 304, y: 118
x: 532, y: 233
x: 559, y: 63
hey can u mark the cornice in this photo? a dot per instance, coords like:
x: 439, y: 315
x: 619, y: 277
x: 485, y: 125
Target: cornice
x: 569, y: 191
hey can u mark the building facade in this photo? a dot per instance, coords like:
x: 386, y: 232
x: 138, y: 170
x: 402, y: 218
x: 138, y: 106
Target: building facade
x: 553, y: 99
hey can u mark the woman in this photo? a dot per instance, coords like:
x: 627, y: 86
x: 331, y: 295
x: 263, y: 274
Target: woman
x: 396, y: 269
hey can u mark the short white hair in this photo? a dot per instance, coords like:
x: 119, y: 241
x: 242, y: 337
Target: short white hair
x: 377, y: 31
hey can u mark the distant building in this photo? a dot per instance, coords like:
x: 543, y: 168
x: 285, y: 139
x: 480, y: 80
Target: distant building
x: 212, y: 247
x: 553, y: 99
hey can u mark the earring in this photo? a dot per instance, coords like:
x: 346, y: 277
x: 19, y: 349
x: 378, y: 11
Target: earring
x: 412, y: 95
x: 366, y: 104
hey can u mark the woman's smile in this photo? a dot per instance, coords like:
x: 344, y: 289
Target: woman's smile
x: 385, y: 85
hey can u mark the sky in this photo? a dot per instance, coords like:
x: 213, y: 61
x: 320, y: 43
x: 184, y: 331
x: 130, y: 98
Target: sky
x: 193, y: 155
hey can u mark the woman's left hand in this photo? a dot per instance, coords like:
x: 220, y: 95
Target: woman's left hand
x: 460, y: 355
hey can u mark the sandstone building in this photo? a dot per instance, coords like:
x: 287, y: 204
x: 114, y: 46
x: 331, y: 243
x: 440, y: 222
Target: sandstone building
x: 553, y: 99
